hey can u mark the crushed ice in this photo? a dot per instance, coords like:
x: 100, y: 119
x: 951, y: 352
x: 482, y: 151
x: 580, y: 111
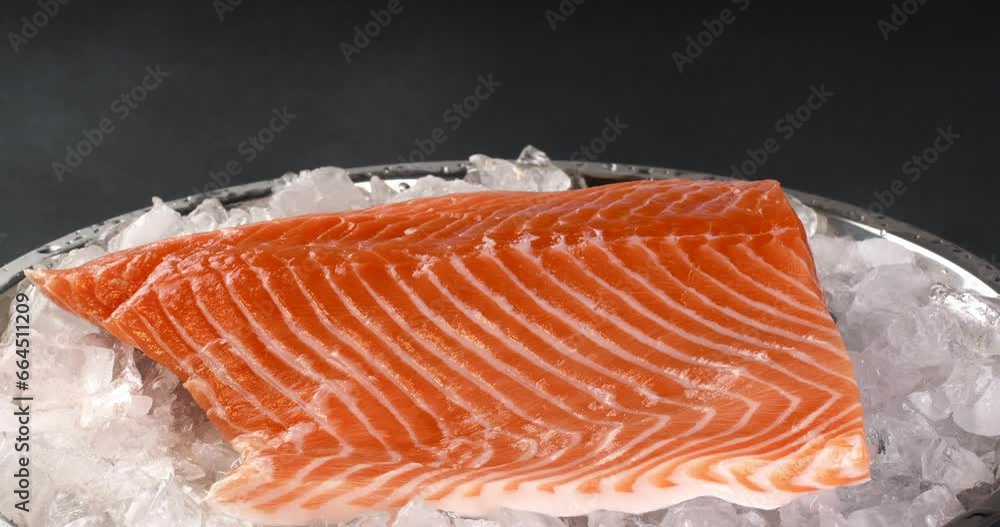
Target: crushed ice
x: 117, y: 441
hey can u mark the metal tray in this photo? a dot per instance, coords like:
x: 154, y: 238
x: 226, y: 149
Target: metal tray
x: 971, y: 271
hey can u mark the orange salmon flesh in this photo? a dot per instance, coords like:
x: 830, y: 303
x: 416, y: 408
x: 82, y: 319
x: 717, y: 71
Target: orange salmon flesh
x: 624, y: 347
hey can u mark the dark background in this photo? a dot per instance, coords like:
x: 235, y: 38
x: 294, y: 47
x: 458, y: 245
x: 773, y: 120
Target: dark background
x: 607, y: 59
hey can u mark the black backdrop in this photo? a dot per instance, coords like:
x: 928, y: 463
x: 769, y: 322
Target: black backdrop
x: 222, y: 77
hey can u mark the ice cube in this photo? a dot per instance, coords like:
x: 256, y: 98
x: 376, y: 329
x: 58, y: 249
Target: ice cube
x: 532, y: 171
x: 882, y: 376
x: 933, y: 404
x: 125, y: 365
x: 159, y: 384
x: 257, y: 214
x: 821, y: 509
x: 933, y: 508
x: 753, y: 519
x: 108, y: 403
x: 370, y: 519
x: 978, y: 316
x: 620, y: 519
x: 430, y: 186
x: 981, y: 415
x: 947, y: 463
x: 155, y: 224
x: 78, y: 257
x: 966, y: 382
x: 701, y: 512
x: 889, y: 483
x: 607, y: 519
x: 64, y: 508
x: 215, y: 458
x: 885, y: 293
x: 806, y: 214
x: 239, y: 216
x: 381, y: 193
x: 974, y: 307
x: 923, y: 336
x: 187, y: 470
x: 877, y: 252
x: 885, y: 515
x: 835, y: 255
x: 96, y: 520
x: 166, y: 506
x: 973, y: 389
x: 139, y: 406
x: 839, y: 293
x: 327, y: 189
x: 515, y: 518
x: 892, y: 288
x: 97, y: 370
x: 466, y: 522
x: 417, y: 512
x: 208, y: 215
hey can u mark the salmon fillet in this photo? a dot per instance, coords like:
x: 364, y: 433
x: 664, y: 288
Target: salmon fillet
x: 624, y: 347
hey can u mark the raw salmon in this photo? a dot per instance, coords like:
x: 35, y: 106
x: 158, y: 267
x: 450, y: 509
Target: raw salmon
x: 623, y: 347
